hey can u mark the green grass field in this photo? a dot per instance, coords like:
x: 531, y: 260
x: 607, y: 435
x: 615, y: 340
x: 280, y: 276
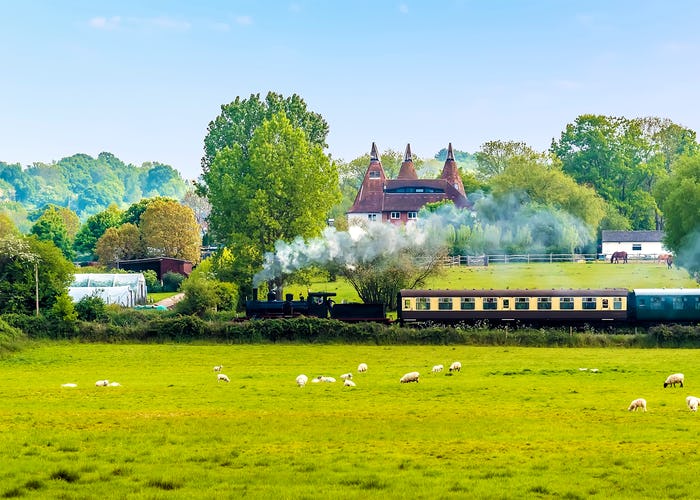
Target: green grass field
x: 539, y: 275
x: 515, y: 423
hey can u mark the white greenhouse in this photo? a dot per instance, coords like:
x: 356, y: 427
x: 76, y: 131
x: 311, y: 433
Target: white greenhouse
x: 126, y: 290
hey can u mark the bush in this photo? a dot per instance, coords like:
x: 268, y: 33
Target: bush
x: 172, y: 281
x: 91, y: 308
x: 152, y: 283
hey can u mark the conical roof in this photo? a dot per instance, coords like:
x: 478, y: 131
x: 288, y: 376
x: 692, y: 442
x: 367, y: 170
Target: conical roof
x: 450, y: 173
x: 407, y: 171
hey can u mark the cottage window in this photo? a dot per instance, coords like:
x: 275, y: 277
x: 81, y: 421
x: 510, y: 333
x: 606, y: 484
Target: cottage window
x: 371, y: 216
x: 637, y: 247
x: 373, y: 174
x: 395, y: 215
x: 412, y: 215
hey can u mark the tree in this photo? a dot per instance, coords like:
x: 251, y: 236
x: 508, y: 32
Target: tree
x: 282, y: 188
x: 239, y: 120
x: 495, y: 156
x: 94, y: 227
x: 169, y: 229
x: 7, y: 227
x: 133, y: 213
x: 679, y: 198
x: 120, y: 243
x: 51, y: 227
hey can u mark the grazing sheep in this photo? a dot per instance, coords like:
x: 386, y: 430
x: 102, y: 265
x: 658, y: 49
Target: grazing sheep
x: 349, y: 383
x: 218, y: 368
x: 69, y: 385
x: 437, y: 368
x: 114, y: 384
x: 638, y: 403
x: 410, y: 377
x: 456, y: 367
x: 302, y: 380
x: 221, y: 377
x: 346, y: 376
x: 676, y: 378
x: 362, y: 367
x: 692, y: 403
x: 102, y: 383
x: 322, y: 378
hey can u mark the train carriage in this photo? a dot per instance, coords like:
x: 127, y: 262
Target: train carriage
x: 668, y: 305
x: 517, y: 305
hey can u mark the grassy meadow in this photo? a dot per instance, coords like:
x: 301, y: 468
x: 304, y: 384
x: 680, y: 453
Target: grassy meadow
x: 514, y: 423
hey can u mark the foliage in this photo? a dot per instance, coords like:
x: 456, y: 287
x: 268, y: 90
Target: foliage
x: 200, y: 297
x: 169, y: 229
x: 7, y: 226
x: 120, y: 243
x: 172, y: 281
x: 134, y: 212
x: 495, y: 156
x: 94, y: 227
x: 51, y: 226
x: 152, y: 283
x: 91, y: 308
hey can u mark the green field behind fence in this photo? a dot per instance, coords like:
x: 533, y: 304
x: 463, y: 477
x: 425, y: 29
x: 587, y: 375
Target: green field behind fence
x: 514, y: 423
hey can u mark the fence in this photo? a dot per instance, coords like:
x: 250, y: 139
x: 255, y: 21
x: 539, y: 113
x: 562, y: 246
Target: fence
x: 485, y: 260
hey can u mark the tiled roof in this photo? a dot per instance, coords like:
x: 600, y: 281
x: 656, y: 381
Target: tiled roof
x: 632, y: 236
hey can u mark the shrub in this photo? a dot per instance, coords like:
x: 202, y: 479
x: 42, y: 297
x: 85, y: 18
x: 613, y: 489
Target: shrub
x: 172, y: 281
x: 91, y: 308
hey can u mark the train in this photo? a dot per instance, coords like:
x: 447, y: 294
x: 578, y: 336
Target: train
x: 506, y: 306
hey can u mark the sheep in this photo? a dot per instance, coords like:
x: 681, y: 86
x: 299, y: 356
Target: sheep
x: 221, y: 377
x: 638, y: 403
x: 456, y: 367
x: 302, y: 380
x: 218, y: 368
x: 69, y: 385
x: 322, y: 378
x: 676, y: 378
x: 692, y: 403
x: 349, y: 383
x: 114, y: 384
x: 410, y: 377
x: 362, y: 367
x: 102, y: 383
x: 437, y: 368
x: 346, y: 376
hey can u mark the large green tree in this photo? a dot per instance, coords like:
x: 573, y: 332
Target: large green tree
x: 169, y: 229
x: 51, y: 227
x: 280, y: 187
x: 94, y: 227
x: 495, y: 156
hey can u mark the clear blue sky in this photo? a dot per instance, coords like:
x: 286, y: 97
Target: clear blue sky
x: 143, y: 79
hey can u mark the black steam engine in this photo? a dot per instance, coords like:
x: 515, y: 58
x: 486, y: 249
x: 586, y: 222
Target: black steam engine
x: 316, y: 304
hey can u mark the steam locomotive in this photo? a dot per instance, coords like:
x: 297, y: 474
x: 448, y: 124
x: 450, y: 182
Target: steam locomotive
x: 523, y: 306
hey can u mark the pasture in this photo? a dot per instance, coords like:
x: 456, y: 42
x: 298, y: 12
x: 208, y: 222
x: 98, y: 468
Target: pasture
x: 514, y: 423
x: 600, y: 274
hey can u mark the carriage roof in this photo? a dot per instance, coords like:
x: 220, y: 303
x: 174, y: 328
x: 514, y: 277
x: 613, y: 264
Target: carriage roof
x: 520, y: 292
x: 666, y: 291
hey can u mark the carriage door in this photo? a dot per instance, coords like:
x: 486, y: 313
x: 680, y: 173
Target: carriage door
x: 506, y: 304
x: 605, y: 304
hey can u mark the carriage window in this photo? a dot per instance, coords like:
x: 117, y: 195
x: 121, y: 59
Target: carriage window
x: 656, y: 304
x: 522, y: 303
x: 678, y: 303
x: 407, y: 304
x: 589, y: 303
x: 467, y: 303
x: 617, y: 303
x: 696, y: 303
x: 445, y: 303
x: 544, y: 303
x: 642, y: 303
x: 605, y: 303
x: 566, y: 303
x: 422, y: 304
x: 636, y: 247
x: 490, y: 303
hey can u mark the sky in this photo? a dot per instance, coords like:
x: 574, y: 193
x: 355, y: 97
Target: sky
x: 142, y: 79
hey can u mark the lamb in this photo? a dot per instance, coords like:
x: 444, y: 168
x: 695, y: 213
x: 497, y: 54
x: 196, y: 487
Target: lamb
x: 302, y: 380
x: 692, y: 403
x: 346, y: 376
x: 221, y: 377
x: 638, y: 403
x: 456, y: 367
x: 69, y: 385
x: 349, y: 383
x: 676, y: 378
x: 218, y: 368
x: 437, y: 368
x: 322, y: 378
x: 102, y: 383
x: 362, y: 367
x: 114, y: 384
x: 410, y: 377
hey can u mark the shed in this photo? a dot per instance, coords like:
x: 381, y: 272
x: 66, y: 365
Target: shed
x: 160, y: 265
x: 639, y: 244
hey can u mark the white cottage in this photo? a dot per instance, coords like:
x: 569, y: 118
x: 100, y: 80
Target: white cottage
x: 637, y: 244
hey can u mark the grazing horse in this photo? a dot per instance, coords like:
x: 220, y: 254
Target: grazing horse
x: 663, y: 258
x: 618, y: 257
x: 669, y: 261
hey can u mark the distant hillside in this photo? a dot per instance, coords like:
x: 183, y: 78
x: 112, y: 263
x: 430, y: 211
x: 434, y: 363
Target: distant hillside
x: 85, y: 184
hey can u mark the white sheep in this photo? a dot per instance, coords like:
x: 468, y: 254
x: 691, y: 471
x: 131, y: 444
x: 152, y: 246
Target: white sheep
x: 456, y: 367
x: 410, y: 377
x: 221, y: 377
x: 114, y: 384
x: 362, y: 367
x: 302, y: 380
x: 102, y: 383
x: 346, y: 376
x: 349, y: 383
x: 69, y: 385
x: 323, y: 378
x: 676, y: 378
x: 218, y: 368
x: 692, y: 403
x: 638, y: 403
x: 437, y: 368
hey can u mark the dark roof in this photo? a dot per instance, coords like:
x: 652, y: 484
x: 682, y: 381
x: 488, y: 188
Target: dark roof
x: 633, y: 236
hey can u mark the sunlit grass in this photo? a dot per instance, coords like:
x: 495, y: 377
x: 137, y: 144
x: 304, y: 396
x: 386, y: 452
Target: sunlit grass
x: 514, y: 423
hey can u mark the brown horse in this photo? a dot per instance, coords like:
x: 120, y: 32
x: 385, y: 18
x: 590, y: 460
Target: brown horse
x: 618, y: 257
x: 663, y: 258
